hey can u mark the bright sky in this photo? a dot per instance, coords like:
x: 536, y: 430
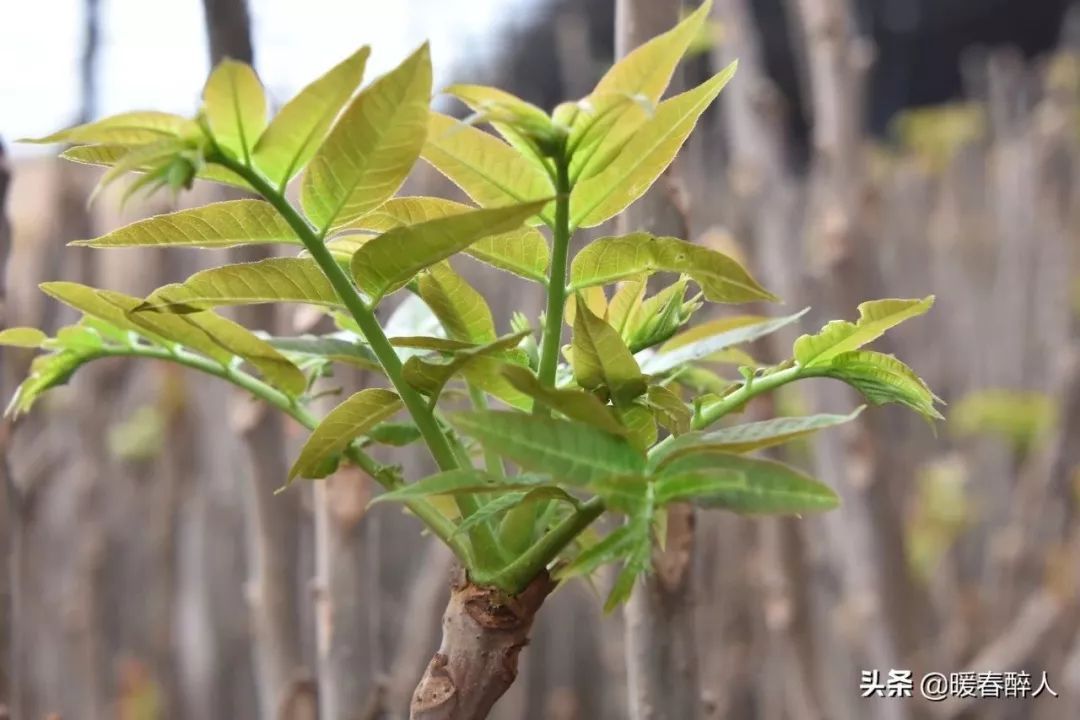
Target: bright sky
x: 153, y: 52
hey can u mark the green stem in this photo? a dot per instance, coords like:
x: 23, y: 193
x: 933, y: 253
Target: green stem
x: 553, y: 320
x: 516, y: 576
x: 485, y: 544
x: 738, y: 397
x: 438, y: 523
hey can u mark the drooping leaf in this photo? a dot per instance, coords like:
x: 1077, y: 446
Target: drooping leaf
x: 272, y: 280
x: 574, y: 404
x: 131, y: 128
x: 349, y: 420
x: 522, y: 250
x: 645, y: 155
x: 461, y: 310
x: 300, y: 126
x: 696, y: 350
x: 46, y: 372
x: 707, y: 479
x: 525, y: 126
x: 216, y: 337
x: 22, y: 337
x: 489, y: 171
x: 234, y: 104
x: 841, y: 336
x: 111, y: 155
x: 430, y: 376
x: 600, y: 359
x: 390, y: 260
x: 218, y: 225
x: 749, y: 436
x: 370, y: 151
x: 669, y: 410
x: 882, y: 379
x: 457, y: 482
x: 610, y: 259
x: 570, y: 452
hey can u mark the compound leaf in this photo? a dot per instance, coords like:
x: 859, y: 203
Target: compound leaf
x: 352, y: 418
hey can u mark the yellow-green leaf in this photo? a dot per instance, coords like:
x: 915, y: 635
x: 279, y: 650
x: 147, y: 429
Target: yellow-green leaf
x: 372, y: 148
x: 522, y: 251
x: 525, y: 126
x: 461, y: 310
x: 706, y: 346
x: 616, y: 258
x: 300, y: 126
x: 600, y: 359
x: 489, y: 171
x: 272, y: 280
x: 571, y: 452
x: 23, y: 337
x: 574, y: 404
x: 669, y: 409
x: 278, y: 370
x: 644, y: 156
x: 223, y: 224
x: 387, y: 262
x: 349, y: 420
x: 234, y: 104
x: 841, y: 336
x: 881, y: 379
x: 131, y: 128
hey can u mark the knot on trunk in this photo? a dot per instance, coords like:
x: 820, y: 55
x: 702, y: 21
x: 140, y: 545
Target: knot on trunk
x: 484, y: 630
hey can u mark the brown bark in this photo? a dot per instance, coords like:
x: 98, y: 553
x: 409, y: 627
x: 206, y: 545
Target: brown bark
x: 484, y: 630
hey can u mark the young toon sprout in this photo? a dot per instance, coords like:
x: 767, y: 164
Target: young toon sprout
x: 622, y: 421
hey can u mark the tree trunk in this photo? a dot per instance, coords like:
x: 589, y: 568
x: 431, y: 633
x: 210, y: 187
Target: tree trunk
x: 484, y: 631
x: 661, y: 656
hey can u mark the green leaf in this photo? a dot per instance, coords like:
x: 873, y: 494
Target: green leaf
x: 372, y: 148
x: 574, y: 404
x: 660, y: 316
x: 485, y: 374
x: 429, y: 376
x: 395, y: 434
x: 610, y: 259
x: 272, y: 280
x: 610, y: 549
x: 707, y: 480
x: 278, y: 370
x: 300, y: 126
x: 882, y: 379
x: 682, y: 354
x: 455, y: 482
x: 570, y: 452
x: 619, y: 103
x: 522, y: 251
x: 132, y: 128
x: 328, y: 347
x: 349, y: 420
x: 840, y: 336
x: 23, y: 337
x: 750, y: 436
x: 645, y: 155
x: 234, y: 104
x: 640, y: 425
x: 387, y: 262
x: 490, y: 172
x: 461, y: 310
x: 112, y: 155
x: 222, y: 224
x: 600, y: 359
x: 46, y: 372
